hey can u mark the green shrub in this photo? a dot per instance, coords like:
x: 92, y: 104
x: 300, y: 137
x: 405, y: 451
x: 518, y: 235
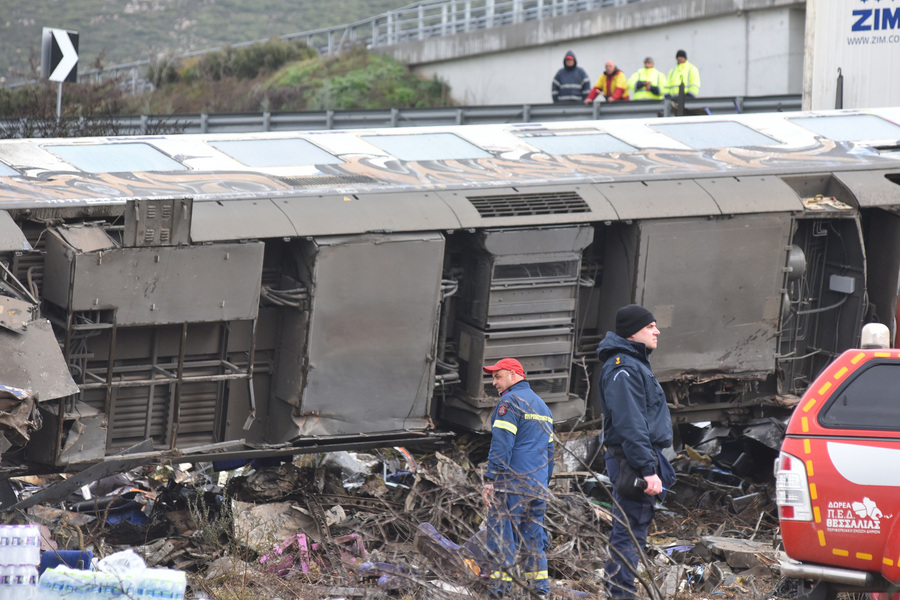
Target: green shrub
x: 250, y: 61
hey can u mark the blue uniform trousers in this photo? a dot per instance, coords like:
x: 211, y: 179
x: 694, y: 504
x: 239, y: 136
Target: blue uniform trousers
x: 516, y: 524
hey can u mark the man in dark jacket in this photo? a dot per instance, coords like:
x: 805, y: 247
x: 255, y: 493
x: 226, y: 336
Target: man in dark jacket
x: 571, y: 83
x: 637, y: 427
x: 520, y: 463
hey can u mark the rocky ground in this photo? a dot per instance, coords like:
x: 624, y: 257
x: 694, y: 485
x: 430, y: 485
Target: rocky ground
x: 392, y: 524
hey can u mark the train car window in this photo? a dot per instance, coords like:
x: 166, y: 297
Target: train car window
x: 427, y: 146
x: 871, y: 400
x: 276, y: 153
x: 715, y: 135
x: 116, y: 158
x: 850, y: 128
x: 7, y: 171
x: 600, y: 143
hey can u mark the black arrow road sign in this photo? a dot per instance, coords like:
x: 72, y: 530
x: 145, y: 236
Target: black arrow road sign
x: 59, y: 55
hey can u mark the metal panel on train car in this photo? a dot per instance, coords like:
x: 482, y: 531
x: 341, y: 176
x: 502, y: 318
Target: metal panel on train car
x: 741, y: 195
x: 147, y: 286
x: 529, y: 205
x: 158, y: 222
x: 33, y: 361
x: 872, y: 188
x: 239, y: 220
x: 352, y: 213
x: 524, y: 277
x: 372, y: 334
x: 883, y: 267
x: 11, y: 237
x: 715, y: 289
x: 659, y: 199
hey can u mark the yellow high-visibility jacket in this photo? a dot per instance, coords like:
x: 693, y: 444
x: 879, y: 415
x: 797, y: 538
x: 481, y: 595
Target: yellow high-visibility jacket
x: 687, y: 73
x: 647, y: 84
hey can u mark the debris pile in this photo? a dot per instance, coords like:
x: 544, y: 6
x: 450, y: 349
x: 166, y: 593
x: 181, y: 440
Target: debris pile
x: 388, y: 524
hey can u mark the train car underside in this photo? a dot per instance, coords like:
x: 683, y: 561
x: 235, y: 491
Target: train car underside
x: 269, y: 345
x: 256, y: 318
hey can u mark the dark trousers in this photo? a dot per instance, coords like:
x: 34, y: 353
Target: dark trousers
x: 515, y: 524
x: 620, y: 572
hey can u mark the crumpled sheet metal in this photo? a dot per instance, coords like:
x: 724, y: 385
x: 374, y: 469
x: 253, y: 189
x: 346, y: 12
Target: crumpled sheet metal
x: 18, y: 414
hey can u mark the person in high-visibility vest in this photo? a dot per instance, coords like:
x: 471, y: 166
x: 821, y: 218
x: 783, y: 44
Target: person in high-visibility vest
x: 647, y: 83
x: 612, y: 85
x: 686, y: 73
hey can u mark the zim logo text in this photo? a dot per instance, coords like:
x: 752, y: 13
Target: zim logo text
x: 875, y: 19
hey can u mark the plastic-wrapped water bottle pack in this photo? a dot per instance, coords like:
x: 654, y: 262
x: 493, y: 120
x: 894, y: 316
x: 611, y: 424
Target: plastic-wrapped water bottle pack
x: 63, y: 582
x: 120, y: 576
x: 20, y: 553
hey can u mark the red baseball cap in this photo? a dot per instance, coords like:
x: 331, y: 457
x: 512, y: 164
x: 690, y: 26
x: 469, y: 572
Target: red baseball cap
x: 507, y: 364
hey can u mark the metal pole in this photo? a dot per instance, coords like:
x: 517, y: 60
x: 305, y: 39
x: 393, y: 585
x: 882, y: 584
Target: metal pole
x: 839, y: 93
x: 59, y: 102
x: 421, y: 22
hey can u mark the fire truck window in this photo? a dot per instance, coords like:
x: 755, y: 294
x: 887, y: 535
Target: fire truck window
x: 871, y: 400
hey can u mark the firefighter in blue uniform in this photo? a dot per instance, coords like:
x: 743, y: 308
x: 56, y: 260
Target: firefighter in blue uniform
x: 520, y: 463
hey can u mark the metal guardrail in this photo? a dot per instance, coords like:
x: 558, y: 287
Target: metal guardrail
x: 418, y: 21
x: 462, y: 115
x: 434, y: 18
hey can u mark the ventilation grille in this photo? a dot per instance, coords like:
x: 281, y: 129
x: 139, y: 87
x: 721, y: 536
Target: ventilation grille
x: 328, y: 180
x: 523, y: 205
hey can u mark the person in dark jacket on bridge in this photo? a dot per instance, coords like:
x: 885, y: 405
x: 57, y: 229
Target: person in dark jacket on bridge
x: 636, y: 428
x: 520, y: 463
x: 571, y: 83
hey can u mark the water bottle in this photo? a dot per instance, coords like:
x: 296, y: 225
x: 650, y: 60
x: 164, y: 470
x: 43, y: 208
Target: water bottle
x: 29, y: 575
x: 146, y: 588
x: 5, y: 554
x: 6, y: 582
x: 32, y: 549
x: 71, y: 583
x: 93, y: 587
x: 46, y: 582
x: 16, y: 544
x: 24, y: 582
x: 129, y: 585
x: 179, y: 583
x: 115, y: 590
x: 163, y: 585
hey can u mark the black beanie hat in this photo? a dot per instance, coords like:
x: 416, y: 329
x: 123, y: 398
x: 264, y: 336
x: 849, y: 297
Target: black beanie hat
x: 632, y: 318
x: 681, y: 54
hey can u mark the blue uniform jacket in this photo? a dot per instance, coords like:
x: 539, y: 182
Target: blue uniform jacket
x: 635, y: 413
x: 522, y: 438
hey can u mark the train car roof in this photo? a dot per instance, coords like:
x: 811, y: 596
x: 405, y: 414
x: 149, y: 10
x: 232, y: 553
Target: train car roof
x: 455, y: 177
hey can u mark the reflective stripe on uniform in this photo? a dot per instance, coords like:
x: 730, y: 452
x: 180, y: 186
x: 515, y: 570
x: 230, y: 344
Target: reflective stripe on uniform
x: 537, y: 417
x: 536, y: 575
x: 507, y: 426
x: 501, y: 576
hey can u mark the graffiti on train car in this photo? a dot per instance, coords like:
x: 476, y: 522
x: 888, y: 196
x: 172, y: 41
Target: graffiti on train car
x: 531, y: 167
x: 68, y: 185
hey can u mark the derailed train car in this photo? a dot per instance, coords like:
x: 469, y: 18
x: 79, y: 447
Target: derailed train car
x: 247, y: 294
